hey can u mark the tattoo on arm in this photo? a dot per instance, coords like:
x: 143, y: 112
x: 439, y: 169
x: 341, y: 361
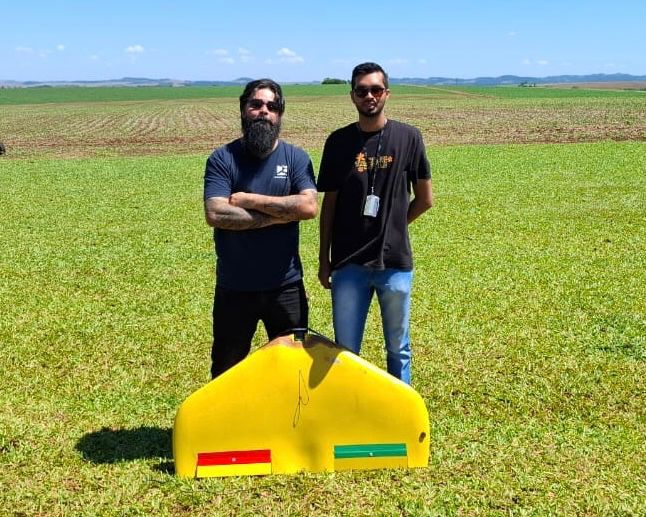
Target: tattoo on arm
x: 220, y: 214
x: 282, y: 208
x: 296, y: 207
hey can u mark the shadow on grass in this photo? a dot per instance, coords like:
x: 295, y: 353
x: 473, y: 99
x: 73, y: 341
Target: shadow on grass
x: 115, y: 445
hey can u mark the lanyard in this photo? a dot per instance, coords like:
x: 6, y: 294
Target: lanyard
x: 374, y: 166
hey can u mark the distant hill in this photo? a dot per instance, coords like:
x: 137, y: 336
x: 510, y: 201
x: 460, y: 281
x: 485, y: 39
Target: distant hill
x: 478, y: 81
x: 515, y: 79
x: 125, y: 81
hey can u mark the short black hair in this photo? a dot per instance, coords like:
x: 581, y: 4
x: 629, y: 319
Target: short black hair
x: 368, y: 68
x: 260, y: 84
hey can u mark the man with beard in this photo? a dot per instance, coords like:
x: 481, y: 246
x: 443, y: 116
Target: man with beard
x: 367, y: 172
x: 256, y: 189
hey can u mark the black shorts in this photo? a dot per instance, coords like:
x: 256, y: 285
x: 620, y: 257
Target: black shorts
x: 236, y: 315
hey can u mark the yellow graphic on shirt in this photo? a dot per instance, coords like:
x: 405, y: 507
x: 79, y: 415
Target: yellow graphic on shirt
x: 363, y: 163
x: 360, y: 162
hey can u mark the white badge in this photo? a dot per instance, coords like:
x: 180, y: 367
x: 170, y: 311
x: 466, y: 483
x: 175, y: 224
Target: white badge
x: 372, y: 206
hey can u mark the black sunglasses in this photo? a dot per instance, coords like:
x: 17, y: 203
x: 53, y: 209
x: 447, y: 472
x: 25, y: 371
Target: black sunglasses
x: 376, y: 91
x: 256, y: 104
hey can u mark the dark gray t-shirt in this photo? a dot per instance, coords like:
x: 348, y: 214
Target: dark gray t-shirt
x: 264, y: 258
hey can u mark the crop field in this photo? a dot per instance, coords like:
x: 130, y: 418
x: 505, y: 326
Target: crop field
x: 609, y: 85
x: 128, y: 122
x: 528, y: 322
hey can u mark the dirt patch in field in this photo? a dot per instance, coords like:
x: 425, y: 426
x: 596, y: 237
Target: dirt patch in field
x: 610, y: 85
x: 189, y: 127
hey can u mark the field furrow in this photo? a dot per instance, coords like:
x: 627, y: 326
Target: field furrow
x: 445, y: 117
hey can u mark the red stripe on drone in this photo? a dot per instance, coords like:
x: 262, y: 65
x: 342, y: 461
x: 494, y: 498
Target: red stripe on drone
x: 233, y: 457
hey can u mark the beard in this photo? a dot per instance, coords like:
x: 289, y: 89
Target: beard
x: 371, y: 112
x: 259, y: 136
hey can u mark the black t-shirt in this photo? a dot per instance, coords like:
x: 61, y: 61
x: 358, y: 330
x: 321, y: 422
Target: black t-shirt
x: 395, y: 157
x: 263, y: 258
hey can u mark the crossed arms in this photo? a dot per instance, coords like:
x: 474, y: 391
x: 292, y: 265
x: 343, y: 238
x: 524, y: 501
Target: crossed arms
x: 246, y: 211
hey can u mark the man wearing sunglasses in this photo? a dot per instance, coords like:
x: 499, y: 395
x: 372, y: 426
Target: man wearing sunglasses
x: 256, y: 190
x: 367, y: 172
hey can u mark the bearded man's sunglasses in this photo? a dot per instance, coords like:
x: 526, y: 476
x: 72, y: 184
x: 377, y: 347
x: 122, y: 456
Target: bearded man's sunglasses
x: 256, y: 104
x: 376, y: 91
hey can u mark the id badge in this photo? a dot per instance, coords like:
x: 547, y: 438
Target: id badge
x: 372, y: 206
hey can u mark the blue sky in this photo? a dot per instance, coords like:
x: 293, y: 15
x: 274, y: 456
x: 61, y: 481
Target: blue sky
x: 306, y: 41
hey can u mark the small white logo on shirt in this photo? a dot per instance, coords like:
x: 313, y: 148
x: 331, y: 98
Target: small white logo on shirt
x: 281, y: 171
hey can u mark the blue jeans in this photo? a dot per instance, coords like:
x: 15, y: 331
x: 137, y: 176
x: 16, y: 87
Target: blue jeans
x: 352, y: 290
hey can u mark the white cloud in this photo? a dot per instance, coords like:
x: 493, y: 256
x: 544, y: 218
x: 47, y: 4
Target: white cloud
x: 94, y: 57
x: 289, y: 56
x: 398, y: 61
x: 539, y: 62
x: 285, y: 52
x: 222, y: 56
x: 422, y: 61
x: 43, y: 54
x: 245, y: 55
x: 135, y: 49
x: 512, y: 34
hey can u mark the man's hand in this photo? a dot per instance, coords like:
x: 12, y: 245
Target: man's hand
x: 220, y: 213
x: 242, y: 200
x: 295, y: 207
x: 325, y: 274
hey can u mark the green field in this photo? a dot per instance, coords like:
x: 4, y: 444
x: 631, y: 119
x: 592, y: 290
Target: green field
x: 70, y: 94
x: 529, y: 314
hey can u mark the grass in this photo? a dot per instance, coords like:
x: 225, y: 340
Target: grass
x: 528, y: 327
x: 71, y: 94
x: 74, y: 94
